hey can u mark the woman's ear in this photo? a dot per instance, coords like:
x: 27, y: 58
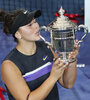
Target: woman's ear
x: 18, y: 35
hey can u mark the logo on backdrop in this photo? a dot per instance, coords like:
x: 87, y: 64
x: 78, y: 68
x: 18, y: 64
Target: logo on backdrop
x: 80, y: 65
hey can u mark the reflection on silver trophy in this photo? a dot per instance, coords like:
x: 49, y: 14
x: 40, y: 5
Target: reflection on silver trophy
x: 63, y: 36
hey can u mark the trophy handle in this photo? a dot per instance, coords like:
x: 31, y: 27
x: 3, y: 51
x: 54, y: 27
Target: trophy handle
x: 85, y: 30
x: 46, y: 29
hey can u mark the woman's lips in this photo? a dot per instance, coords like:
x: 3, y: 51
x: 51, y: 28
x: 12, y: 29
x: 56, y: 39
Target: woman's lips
x: 37, y: 33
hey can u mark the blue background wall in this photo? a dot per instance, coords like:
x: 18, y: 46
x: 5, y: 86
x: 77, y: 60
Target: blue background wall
x: 81, y: 89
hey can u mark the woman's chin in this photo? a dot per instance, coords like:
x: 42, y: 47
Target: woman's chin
x: 38, y: 38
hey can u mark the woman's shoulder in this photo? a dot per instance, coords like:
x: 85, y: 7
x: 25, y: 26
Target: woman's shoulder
x: 7, y: 64
x: 11, y: 54
x: 7, y: 68
x: 13, y: 59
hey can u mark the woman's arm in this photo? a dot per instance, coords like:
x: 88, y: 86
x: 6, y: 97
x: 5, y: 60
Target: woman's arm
x: 69, y: 76
x: 17, y: 86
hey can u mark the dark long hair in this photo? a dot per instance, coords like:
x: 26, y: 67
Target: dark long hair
x: 8, y: 19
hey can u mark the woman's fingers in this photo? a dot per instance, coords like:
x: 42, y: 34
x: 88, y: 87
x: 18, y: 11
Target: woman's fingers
x: 76, y: 46
x: 75, y: 51
x: 73, y: 54
x: 57, y: 61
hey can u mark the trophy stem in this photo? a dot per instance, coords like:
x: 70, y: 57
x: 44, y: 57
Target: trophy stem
x: 65, y: 54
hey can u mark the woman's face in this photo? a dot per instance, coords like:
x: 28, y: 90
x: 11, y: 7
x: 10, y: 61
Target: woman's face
x: 30, y: 32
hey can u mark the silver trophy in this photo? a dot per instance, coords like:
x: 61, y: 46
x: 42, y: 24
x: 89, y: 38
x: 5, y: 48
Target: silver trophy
x: 63, y: 36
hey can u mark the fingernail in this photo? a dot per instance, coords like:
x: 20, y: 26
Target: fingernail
x: 67, y: 63
x: 76, y: 40
x: 59, y: 59
x: 69, y: 56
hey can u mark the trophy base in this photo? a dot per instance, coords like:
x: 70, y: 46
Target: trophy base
x: 64, y: 57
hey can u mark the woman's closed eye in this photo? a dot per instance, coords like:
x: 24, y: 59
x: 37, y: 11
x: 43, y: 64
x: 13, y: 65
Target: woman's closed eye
x: 32, y: 23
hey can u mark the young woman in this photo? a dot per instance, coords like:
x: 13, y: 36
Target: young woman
x: 28, y: 71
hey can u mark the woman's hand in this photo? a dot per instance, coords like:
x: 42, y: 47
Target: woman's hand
x: 58, y: 69
x: 74, y: 53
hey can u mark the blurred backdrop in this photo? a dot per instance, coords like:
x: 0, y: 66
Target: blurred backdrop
x: 81, y: 89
